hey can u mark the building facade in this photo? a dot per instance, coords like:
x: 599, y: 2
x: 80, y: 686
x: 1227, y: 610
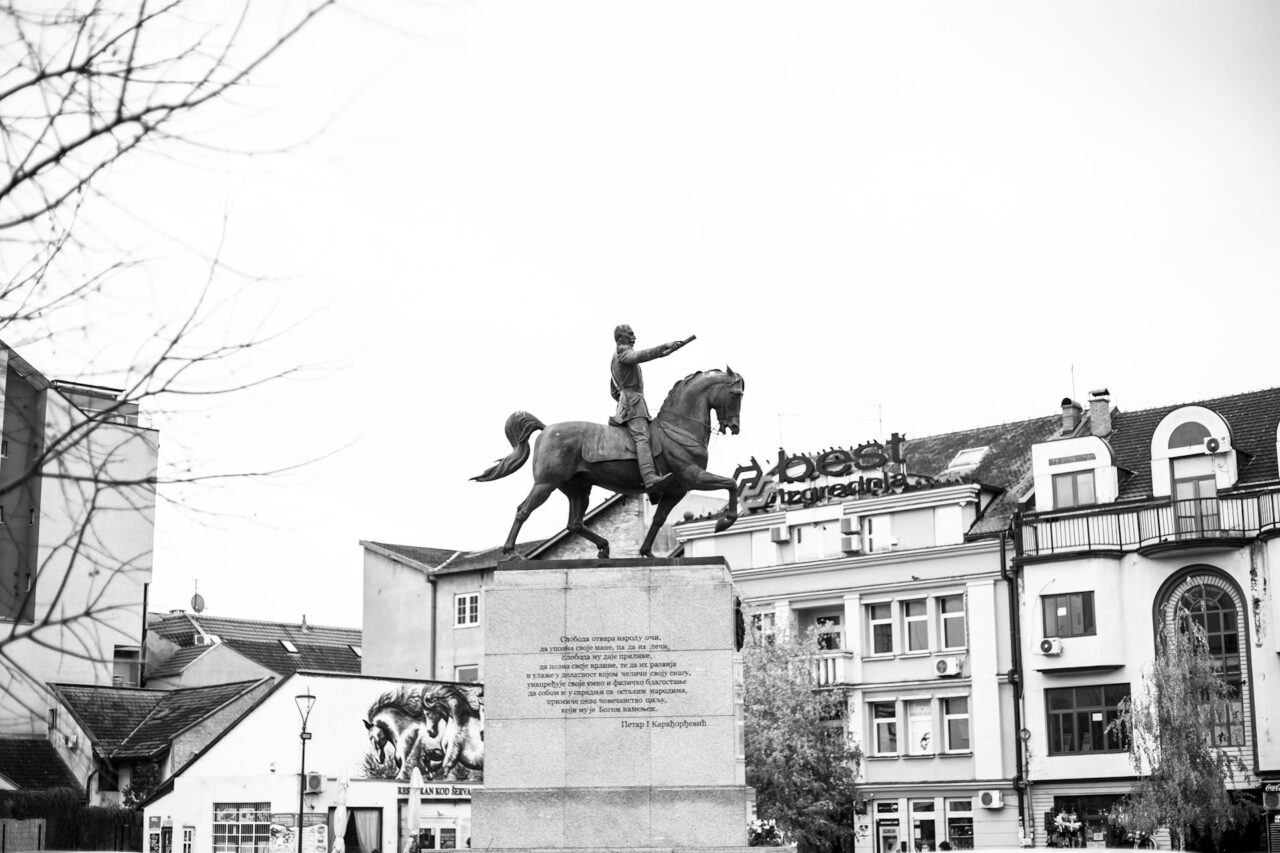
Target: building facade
x: 1140, y: 520
x: 248, y: 789
x: 892, y: 554
x: 77, y: 507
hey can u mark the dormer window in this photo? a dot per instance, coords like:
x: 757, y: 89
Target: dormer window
x: 1192, y: 459
x: 1190, y: 434
x: 1073, y: 489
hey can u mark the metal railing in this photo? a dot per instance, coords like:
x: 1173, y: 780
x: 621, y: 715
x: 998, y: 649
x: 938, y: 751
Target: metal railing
x: 1129, y: 528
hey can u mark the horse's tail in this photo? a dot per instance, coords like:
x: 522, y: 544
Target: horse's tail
x: 520, y: 426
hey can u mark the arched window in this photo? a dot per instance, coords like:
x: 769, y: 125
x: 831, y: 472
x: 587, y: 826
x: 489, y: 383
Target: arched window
x: 1189, y: 434
x: 1211, y: 603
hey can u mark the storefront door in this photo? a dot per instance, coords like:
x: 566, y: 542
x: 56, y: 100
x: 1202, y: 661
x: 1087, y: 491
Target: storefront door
x: 924, y: 826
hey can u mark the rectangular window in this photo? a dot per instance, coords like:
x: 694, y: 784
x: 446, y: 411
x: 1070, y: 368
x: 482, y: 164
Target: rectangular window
x: 885, y: 717
x: 960, y: 831
x: 1080, y: 718
x: 762, y: 623
x: 468, y: 674
x: 880, y: 620
x: 290, y: 647
x: 955, y: 721
x: 466, y: 606
x: 241, y: 827
x: 126, y: 668
x: 951, y: 621
x: 915, y: 624
x: 1073, y: 489
x: 188, y: 837
x: 829, y: 634
x: 920, y: 727
x: 1069, y: 614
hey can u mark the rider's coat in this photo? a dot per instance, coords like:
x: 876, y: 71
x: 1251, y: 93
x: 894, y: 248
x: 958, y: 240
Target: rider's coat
x: 626, y: 382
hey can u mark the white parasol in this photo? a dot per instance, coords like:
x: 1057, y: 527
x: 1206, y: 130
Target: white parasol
x: 414, y: 812
x: 340, y: 815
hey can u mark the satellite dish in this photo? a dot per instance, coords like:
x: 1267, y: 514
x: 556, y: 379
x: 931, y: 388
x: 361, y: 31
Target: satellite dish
x: 197, y: 603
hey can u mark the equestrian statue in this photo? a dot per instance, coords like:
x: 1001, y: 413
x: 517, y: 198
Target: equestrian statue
x: 664, y: 457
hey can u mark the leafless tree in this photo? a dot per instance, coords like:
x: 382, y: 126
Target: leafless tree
x: 85, y: 86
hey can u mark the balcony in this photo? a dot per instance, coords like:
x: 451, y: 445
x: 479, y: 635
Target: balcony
x: 834, y: 668
x: 1150, y: 527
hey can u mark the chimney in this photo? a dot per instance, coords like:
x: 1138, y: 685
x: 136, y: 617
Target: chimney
x: 304, y: 622
x: 1070, y: 415
x: 1100, y: 412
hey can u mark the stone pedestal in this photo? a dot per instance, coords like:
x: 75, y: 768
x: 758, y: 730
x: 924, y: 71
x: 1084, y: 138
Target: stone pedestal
x: 613, y: 715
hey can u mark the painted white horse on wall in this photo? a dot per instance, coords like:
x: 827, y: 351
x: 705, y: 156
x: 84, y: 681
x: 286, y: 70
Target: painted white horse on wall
x: 434, y: 727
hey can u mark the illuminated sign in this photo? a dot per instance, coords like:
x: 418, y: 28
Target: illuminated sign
x: 867, y: 469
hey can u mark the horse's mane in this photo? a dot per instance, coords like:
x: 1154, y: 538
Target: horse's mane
x: 681, y: 383
x: 418, y: 700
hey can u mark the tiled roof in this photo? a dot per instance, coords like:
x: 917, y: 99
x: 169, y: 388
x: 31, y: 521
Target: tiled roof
x: 319, y: 647
x: 33, y: 764
x: 1252, y: 417
x: 128, y: 722
x: 432, y: 557
x: 108, y: 714
x: 1006, y: 465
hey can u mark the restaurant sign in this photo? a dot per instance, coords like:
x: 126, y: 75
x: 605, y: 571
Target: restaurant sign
x: 869, y: 469
x: 439, y: 792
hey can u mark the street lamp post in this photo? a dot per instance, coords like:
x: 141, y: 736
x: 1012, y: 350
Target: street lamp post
x: 304, y: 702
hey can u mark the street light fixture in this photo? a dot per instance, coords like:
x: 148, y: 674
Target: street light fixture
x: 304, y: 702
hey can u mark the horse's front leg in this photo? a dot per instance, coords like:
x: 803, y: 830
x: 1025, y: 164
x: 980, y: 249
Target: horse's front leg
x: 666, y: 503
x: 705, y: 481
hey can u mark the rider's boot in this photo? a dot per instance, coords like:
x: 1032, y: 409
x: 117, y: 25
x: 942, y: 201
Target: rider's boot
x: 654, y: 485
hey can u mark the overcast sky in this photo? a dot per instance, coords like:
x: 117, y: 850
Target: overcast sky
x: 910, y: 217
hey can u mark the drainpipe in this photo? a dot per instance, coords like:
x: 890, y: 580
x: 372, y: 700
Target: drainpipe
x: 435, y: 635
x: 1010, y: 577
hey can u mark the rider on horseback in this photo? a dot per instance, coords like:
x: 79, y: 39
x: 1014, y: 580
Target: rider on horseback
x: 626, y: 384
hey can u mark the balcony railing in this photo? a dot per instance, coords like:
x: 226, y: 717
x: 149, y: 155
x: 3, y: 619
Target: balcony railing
x: 834, y: 668
x: 1131, y: 528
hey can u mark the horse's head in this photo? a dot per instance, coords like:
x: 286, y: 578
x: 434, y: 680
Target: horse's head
x: 727, y: 401
x: 379, y: 738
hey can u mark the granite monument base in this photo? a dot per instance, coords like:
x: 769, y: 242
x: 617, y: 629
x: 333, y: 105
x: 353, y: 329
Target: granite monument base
x: 613, y: 708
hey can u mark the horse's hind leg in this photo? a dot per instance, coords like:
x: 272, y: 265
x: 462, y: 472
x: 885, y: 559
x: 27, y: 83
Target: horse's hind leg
x: 537, y: 496
x: 579, y: 495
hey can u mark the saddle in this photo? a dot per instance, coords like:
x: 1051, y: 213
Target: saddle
x: 612, y: 443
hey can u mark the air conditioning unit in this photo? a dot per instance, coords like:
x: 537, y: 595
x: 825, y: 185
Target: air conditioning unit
x: 1271, y: 800
x: 1051, y: 646
x: 1221, y: 444
x: 206, y: 640
x: 851, y: 544
x: 948, y: 667
x: 991, y: 799
x: 850, y: 524
x: 315, y: 783
x: 780, y: 534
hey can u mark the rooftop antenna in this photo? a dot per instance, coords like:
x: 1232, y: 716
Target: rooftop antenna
x: 1073, y: 381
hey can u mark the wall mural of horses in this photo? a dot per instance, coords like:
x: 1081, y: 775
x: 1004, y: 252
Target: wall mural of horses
x: 436, y: 727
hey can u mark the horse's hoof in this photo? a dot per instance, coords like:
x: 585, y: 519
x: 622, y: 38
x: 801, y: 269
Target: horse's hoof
x: 603, y: 554
x: 648, y: 555
x: 725, y: 523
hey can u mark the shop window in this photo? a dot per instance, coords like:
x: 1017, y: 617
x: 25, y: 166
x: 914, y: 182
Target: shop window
x: 466, y: 606
x: 363, y: 832
x: 880, y: 623
x: 951, y: 627
x: 432, y: 832
x: 884, y: 716
x: 829, y: 633
x: 468, y: 674
x: 960, y: 824
x: 955, y: 722
x: 915, y: 625
x: 920, y: 727
x: 126, y: 668
x: 1073, y: 489
x: 1081, y: 718
x: 1069, y: 614
x: 241, y: 827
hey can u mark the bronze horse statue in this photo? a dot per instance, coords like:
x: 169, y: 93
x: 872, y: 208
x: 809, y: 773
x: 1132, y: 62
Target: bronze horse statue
x: 680, y: 433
